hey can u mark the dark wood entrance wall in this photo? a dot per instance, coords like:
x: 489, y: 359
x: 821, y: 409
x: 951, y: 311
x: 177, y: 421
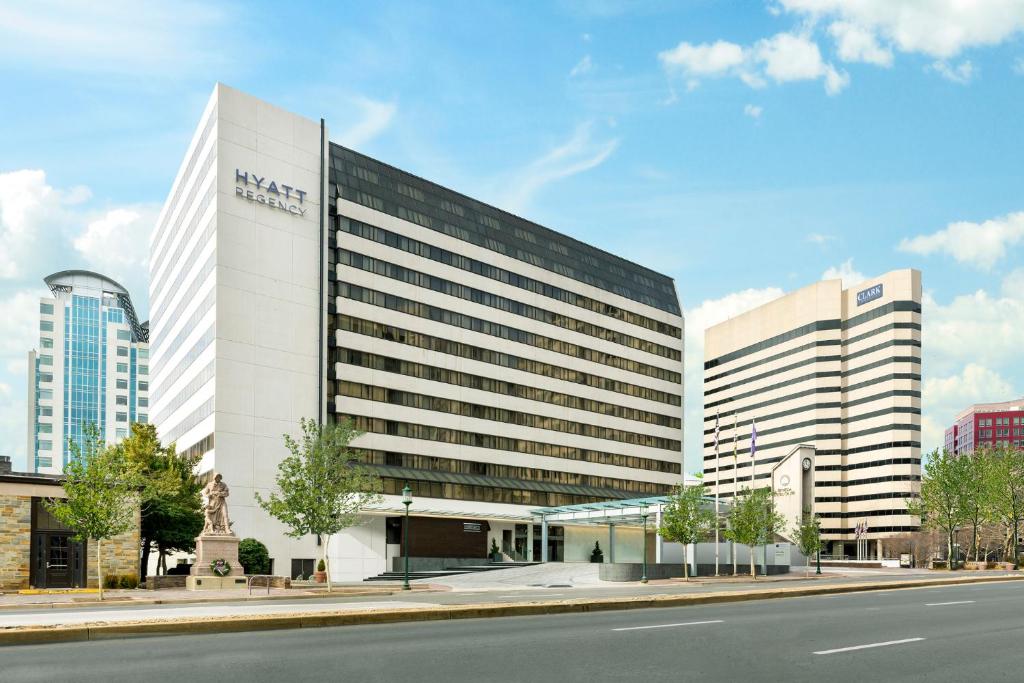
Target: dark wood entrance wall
x: 57, y: 560
x: 439, y: 537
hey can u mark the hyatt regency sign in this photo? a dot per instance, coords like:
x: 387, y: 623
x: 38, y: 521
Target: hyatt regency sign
x: 269, y: 192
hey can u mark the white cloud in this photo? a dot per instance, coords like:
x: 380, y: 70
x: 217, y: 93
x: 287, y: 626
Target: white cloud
x: 709, y: 313
x: 583, y: 66
x: 962, y: 73
x: 578, y: 154
x: 820, y: 239
x: 854, y: 43
x: 782, y: 58
x: 753, y: 111
x: 981, y: 245
x: 705, y: 59
x: 845, y: 272
x: 32, y: 217
x: 942, y: 398
x: 119, y: 36
x: 118, y: 241
x: 374, y: 118
x: 1018, y: 65
x: 937, y: 28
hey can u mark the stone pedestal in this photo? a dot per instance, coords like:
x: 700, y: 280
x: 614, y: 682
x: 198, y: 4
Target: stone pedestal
x: 211, y: 547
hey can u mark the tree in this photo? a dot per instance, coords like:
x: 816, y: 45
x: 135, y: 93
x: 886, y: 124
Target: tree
x: 686, y: 519
x: 753, y: 520
x: 808, y: 536
x: 321, y: 487
x: 1006, y: 493
x: 170, y: 504
x: 941, y: 505
x: 253, y: 556
x: 974, y: 495
x: 102, y: 487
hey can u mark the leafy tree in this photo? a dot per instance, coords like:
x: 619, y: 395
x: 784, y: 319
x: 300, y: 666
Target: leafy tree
x: 975, y: 493
x: 753, y: 521
x: 1006, y: 493
x: 808, y: 536
x: 321, y: 487
x: 253, y: 556
x: 171, y: 504
x: 941, y: 506
x: 686, y: 519
x: 101, y: 486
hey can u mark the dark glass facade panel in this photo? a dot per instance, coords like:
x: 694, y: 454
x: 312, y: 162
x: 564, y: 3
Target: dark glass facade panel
x: 383, y: 188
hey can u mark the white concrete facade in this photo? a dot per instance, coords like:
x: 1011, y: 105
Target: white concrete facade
x: 268, y: 307
x: 837, y: 369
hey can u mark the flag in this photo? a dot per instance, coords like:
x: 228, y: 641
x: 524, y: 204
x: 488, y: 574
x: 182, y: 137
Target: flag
x: 716, y: 432
x: 753, y: 438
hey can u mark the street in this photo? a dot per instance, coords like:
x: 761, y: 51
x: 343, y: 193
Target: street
x: 949, y: 633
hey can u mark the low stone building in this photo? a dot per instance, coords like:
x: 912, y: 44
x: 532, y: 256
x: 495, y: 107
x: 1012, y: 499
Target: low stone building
x: 37, y: 551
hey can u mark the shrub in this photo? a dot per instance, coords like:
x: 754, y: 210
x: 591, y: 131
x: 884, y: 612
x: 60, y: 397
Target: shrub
x: 129, y: 581
x: 320, y: 566
x: 110, y: 581
x: 494, y: 548
x: 253, y: 556
x: 597, y: 555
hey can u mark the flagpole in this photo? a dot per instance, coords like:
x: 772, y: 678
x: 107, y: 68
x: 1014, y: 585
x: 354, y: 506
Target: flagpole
x: 735, y: 486
x: 718, y: 479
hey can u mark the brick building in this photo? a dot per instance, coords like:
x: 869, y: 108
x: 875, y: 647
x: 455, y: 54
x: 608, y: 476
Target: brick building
x: 36, y: 551
x: 987, y: 424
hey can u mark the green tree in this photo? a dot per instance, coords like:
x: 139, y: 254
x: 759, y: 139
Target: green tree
x: 102, y: 487
x: 1006, y: 494
x: 808, y: 535
x: 321, y: 487
x: 975, y: 493
x: 253, y: 556
x: 686, y: 519
x: 941, y: 506
x: 753, y: 521
x: 171, y: 504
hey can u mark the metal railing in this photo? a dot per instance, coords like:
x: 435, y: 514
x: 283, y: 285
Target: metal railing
x: 268, y: 577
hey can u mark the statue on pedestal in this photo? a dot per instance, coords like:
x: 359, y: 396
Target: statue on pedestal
x: 216, y: 508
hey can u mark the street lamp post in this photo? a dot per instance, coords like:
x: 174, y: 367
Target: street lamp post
x: 818, y: 559
x: 643, y: 516
x: 406, y: 501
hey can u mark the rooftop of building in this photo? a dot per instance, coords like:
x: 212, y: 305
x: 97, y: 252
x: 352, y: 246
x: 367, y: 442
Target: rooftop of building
x: 65, y: 281
x: 472, y: 220
x: 1004, y: 407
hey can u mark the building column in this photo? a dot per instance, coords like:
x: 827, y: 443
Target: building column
x: 544, y: 539
x: 881, y: 555
x: 611, y: 543
x: 657, y: 537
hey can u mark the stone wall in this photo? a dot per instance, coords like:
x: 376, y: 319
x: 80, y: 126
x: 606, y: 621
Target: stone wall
x: 120, y: 555
x: 15, y: 541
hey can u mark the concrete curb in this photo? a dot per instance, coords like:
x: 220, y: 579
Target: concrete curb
x: 34, y: 635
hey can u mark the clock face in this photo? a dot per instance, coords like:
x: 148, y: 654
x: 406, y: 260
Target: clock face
x: 807, y: 464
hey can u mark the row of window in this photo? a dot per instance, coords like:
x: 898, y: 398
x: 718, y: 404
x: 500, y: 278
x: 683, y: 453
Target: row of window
x: 484, y: 494
x: 832, y: 420
x: 444, y: 316
x: 885, y: 495
x: 817, y: 375
x: 497, y: 386
x: 710, y: 419
x: 524, y: 474
x: 190, y: 421
x: 197, y: 281
x: 507, y: 360
x: 415, y: 278
x: 368, y: 182
x: 410, y: 430
x: 204, y: 445
x: 823, y: 452
x: 480, y: 412
x: 165, y: 257
x: 188, y: 391
x: 471, y: 265
x: 820, y: 325
x: 869, y: 480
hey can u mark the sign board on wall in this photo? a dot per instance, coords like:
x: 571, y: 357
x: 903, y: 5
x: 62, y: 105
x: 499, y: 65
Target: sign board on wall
x: 269, y: 192
x: 868, y: 295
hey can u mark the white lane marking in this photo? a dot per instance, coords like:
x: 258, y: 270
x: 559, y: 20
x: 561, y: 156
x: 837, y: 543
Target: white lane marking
x: 865, y: 647
x: 688, y: 623
x: 943, y: 604
x: 533, y: 595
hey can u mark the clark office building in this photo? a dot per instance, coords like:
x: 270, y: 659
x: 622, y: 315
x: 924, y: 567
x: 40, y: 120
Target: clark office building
x: 495, y: 365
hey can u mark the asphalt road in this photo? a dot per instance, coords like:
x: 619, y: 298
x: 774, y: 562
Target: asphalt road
x: 945, y: 633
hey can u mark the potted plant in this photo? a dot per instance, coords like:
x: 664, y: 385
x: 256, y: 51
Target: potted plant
x: 597, y: 555
x: 320, y: 575
x: 495, y: 553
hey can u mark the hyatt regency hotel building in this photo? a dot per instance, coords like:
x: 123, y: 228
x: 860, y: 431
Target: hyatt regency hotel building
x: 495, y: 366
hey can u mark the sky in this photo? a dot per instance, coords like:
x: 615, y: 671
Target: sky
x: 746, y: 149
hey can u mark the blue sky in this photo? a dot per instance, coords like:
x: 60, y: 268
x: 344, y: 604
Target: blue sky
x: 745, y: 149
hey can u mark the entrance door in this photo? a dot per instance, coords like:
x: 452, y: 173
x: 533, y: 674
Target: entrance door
x: 57, y: 549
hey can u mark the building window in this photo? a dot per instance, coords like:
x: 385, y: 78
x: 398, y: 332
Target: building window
x: 46, y: 394
x: 44, y: 462
x: 302, y: 569
x: 45, y: 377
x: 122, y: 433
x: 143, y: 402
x: 122, y: 417
x: 45, y: 411
x: 122, y: 367
x: 46, y: 325
x: 122, y: 351
x: 121, y: 400
x: 143, y: 369
x: 44, y: 428
x: 45, y: 359
x: 143, y: 418
x: 143, y: 352
x: 46, y: 308
x: 45, y: 342
x: 124, y: 335
x: 143, y: 386
x: 45, y: 445
x: 985, y: 423
x: 122, y: 384
x: 985, y: 434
